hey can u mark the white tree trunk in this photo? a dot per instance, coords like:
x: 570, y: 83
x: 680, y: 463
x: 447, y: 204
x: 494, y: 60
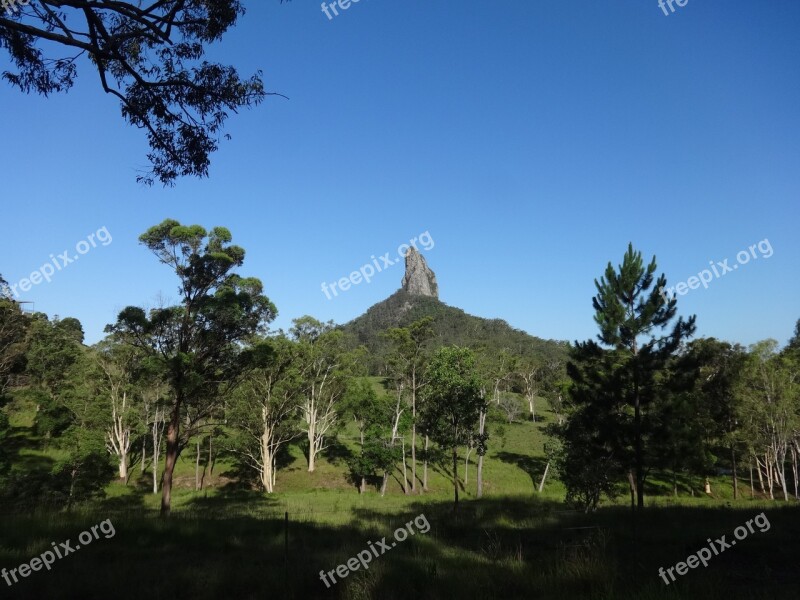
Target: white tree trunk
x: 312, y: 442
x: 425, y: 466
x: 405, y: 471
x: 541, y: 483
x: 157, y: 434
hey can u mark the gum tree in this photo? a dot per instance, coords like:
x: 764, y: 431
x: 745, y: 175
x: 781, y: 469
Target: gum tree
x: 453, y: 401
x: 197, y: 342
x: 407, y: 361
x: 265, y: 406
x: 325, y: 365
x: 150, y: 56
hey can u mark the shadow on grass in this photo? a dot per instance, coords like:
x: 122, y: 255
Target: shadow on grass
x: 532, y: 465
x: 493, y: 548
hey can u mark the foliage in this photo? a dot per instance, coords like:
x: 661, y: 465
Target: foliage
x: 453, y: 401
x: 451, y: 326
x: 197, y: 342
x: 613, y: 387
x: 148, y: 55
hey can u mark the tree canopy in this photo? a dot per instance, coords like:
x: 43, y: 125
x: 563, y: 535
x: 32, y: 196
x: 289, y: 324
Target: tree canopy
x: 150, y: 56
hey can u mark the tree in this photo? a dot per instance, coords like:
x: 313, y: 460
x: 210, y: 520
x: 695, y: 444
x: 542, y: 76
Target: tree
x: 509, y: 404
x: 372, y: 416
x: 13, y: 342
x: 147, y: 54
x: 794, y: 341
x: 531, y: 373
x: 154, y: 389
x: 400, y: 422
x: 325, y: 366
x: 196, y: 343
x: 630, y: 313
x: 714, y: 410
x: 591, y: 444
x: 770, y: 390
x: 407, y: 360
x: 453, y: 401
x: 264, y: 408
x: 83, y: 469
x: 481, y: 440
x: 119, y: 366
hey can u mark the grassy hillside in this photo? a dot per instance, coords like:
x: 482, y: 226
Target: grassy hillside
x: 231, y: 541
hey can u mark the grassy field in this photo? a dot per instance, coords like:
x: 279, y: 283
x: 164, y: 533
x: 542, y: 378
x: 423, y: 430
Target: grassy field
x: 227, y: 541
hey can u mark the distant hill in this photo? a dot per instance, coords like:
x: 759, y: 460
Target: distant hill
x: 451, y: 325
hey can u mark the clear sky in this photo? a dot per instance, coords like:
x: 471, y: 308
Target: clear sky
x: 532, y: 140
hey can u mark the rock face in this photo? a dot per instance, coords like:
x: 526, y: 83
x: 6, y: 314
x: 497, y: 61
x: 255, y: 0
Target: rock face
x: 419, y: 279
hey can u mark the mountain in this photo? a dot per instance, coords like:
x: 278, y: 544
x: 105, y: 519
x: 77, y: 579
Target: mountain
x: 418, y: 298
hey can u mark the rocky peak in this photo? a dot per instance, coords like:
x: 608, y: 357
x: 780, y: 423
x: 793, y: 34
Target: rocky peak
x: 419, y: 279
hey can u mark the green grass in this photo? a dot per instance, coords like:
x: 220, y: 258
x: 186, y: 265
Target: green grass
x: 227, y: 541
x: 495, y: 548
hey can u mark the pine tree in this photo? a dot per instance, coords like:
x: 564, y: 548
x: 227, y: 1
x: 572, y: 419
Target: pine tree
x: 616, y: 382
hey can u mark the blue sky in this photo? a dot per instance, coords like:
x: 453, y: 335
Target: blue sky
x: 532, y: 140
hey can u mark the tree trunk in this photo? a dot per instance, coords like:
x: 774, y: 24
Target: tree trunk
x: 144, y: 450
x: 405, y: 471
x: 268, y: 479
x: 752, y: 491
x: 197, y: 467
x: 481, y: 431
x: 414, y: 434
x: 760, y: 478
x: 770, y: 480
x: 425, y: 467
x: 480, y: 476
x: 455, y: 476
x: 638, y: 450
x: 782, y: 476
x: 123, y: 467
x: 466, y: 466
x: 541, y: 483
x: 158, y: 431
x: 632, y: 485
x: 384, y: 483
x: 208, y: 462
x: 173, y: 429
x: 155, y: 460
x: 735, y: 478
x: 312, y: 452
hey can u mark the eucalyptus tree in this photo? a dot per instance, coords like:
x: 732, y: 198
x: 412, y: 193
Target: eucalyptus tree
x: 326, y: 365
x: 198, y: 341
x: 407, y: 362
x: 453, y: 401
x: 148, y: 55
x: 264, y: 408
